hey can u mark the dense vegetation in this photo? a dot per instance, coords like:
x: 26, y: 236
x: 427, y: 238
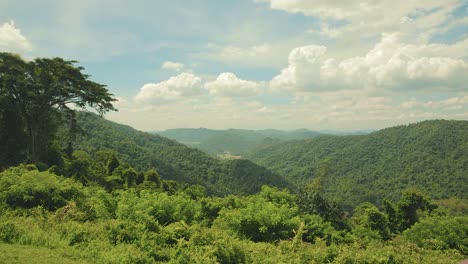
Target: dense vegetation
x: 431, y: 156
x: 171, y: 159
x: 93, y: 191
x: 239, y: 142
x: 35, y: 97
x: 50, y: 217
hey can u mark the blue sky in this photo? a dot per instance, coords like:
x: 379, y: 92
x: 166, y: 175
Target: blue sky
x: 258, y: 63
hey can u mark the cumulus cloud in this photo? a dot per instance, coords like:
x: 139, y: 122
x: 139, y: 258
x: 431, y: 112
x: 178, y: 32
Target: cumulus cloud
x: 390, y: 65
x: 11, y: 38
x: 229, y: 85
x: 174, y: 66
x: 177, y: 87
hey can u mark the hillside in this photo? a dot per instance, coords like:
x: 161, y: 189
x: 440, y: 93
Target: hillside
x: 431, y: 156
x: 234, y: 141
x: 173, y: 160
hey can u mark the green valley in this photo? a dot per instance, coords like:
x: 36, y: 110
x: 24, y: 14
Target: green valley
x: 233, y: 141
x: 78, y: 188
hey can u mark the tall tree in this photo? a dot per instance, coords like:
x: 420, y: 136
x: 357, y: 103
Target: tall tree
x: 310, y: 198
x: 12, y: 134
x: 412, y: 202
x: 41, y: 92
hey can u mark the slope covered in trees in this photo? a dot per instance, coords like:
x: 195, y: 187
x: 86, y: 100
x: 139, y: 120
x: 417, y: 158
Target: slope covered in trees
x: 172, y: 160
x: 90, y: 190
x: 431, y: 156
x: 234, y: 141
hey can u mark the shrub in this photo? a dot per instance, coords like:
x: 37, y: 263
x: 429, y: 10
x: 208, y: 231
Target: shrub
x: 440, y: 233
x: 261, y: 220
x: 24, y: 188
x: 9, y: 233
x: 149, y: 206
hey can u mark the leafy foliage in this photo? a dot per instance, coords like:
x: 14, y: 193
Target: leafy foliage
x: 34, y: 96
x: 369, y: 216
x: 431, y: 156
x: 172, y: 160
x: 138, y: 225
x: 151, y: 226
x: 440, y: 233
x: 261, y: 219
x: 22, y: 188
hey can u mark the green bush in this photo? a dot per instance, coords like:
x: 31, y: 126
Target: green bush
x: 9, y: 233
x: 369, y: 216
x: 198, y: 244
x: 316, y: 227
x: 440, y: 233
x: 121, y: 231
x: 148, y: 206
x: 260, y: 220
x: 24, y: 188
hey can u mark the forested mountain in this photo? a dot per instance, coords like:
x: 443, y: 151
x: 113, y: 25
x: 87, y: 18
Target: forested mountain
x: 172, y: 160
x: 430, y: 155
x: 235, y: 141
x: 76, y: 188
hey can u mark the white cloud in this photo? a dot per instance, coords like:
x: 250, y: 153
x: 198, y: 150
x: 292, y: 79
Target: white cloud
x: 121, y: 103
x: 328, y: 31
x: 453, y: 103
x: 252, y: 52
x: 174, y: 66
x: 350, y: 109
x: 333, y: 9
x: 455, y: 50
x: 366, y: 10
x: 177, y: 87
x: 265, y: 55
x: 229, y: 85
x: 357, y: 80
x: 361, y: 19
x: 303, y: 72
x: 410, y: 104
x: 11, y: 38
x: 390, y: 65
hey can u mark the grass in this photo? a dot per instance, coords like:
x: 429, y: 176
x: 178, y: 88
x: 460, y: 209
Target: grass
x: 19, y: 254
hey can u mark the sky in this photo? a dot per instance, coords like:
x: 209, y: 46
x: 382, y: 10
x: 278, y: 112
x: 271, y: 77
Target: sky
x: 255, y: 64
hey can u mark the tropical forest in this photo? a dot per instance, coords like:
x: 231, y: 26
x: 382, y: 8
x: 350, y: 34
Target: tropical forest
x: 76, y: 188
x: 342, y: 136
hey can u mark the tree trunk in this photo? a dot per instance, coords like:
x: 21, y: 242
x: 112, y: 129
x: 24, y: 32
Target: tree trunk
x: 32, y: 148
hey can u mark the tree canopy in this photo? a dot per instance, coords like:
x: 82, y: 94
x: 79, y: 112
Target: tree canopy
x: 431, y: 156
x: 34, y: 97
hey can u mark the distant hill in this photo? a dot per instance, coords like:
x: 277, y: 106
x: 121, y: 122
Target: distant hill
x: 430, y: 155
x: 172, y: 159
x: 234, y: 141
